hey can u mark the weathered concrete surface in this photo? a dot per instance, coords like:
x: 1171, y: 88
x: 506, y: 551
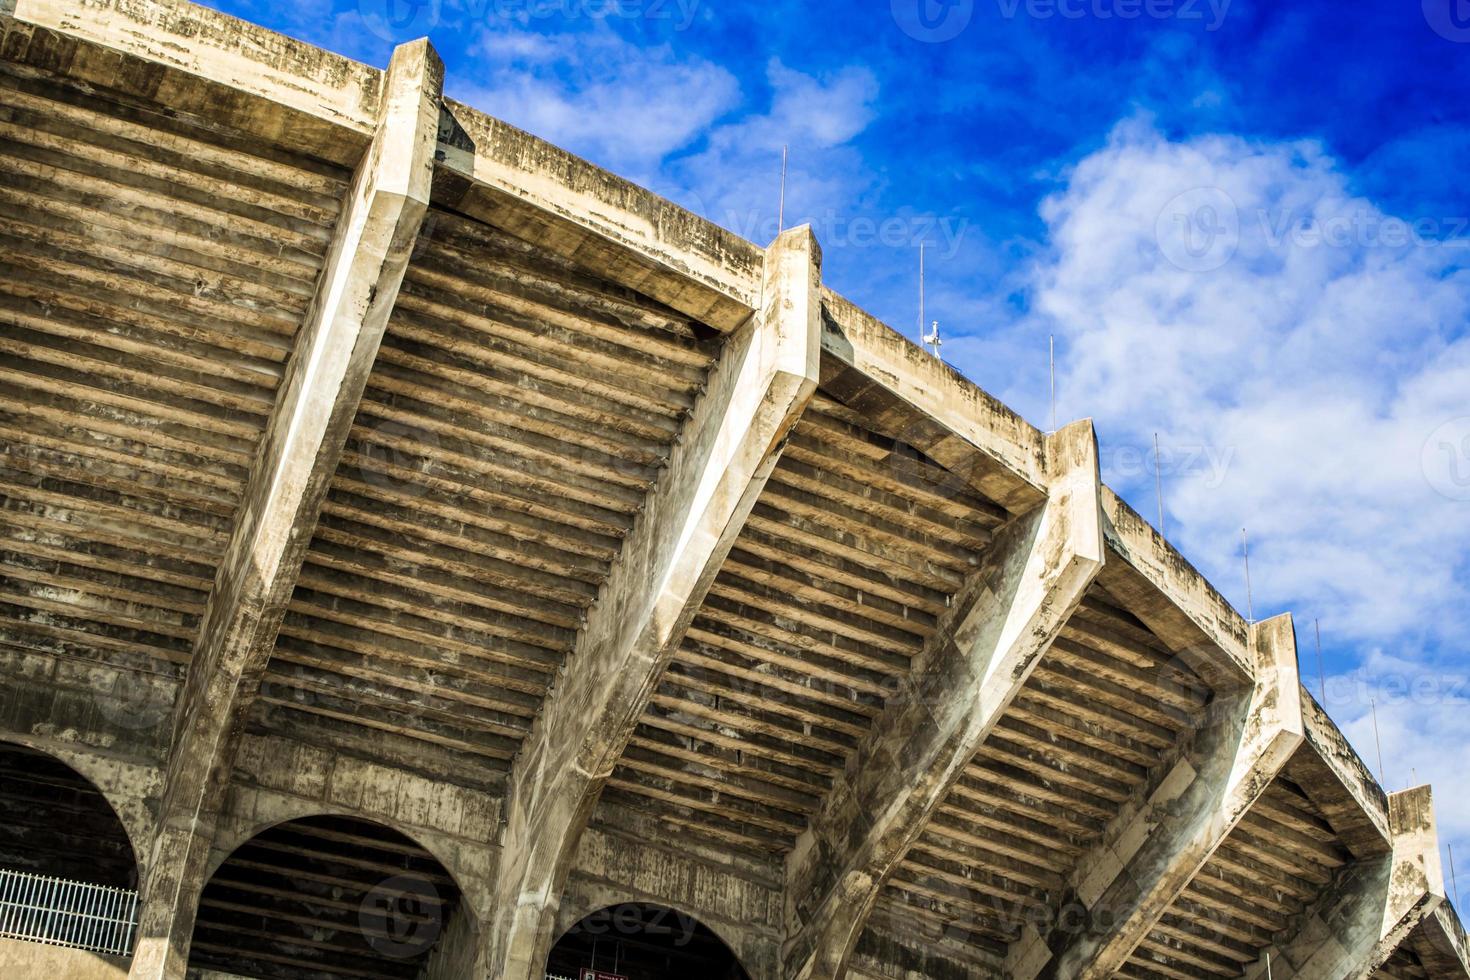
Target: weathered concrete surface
x: 237, y: 73
x: 1341, y: 784
x: 624, y: 857
x: 290, y: 92
x: 1373, y: 906
x: 764, y: 379
x: 25, y: 961
x: 1164, y: 590
x: 335, y: 351
x: 998, y: 627
x: 277, y: 780
x: 1011, y: 467
x: 129, y: 786
x: 508, y: 178
x: 1150, y: 855
x: 190, y: 61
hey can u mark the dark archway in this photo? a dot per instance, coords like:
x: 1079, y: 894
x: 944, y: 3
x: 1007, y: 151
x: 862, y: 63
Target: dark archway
x: 644, y: 942
x: 68, y: 874
x: 54, y: 822
x: 323, y: 898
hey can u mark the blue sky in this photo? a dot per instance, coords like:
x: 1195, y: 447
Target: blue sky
x: 1245, y: 223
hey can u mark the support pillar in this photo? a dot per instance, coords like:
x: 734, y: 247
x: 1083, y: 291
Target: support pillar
x: 308, y: 427
x: 997, y: 629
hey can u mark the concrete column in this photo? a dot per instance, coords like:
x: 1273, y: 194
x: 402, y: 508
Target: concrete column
x: 766, y: 375
x: 1372, y: 906
x: 319, y: 396
x: 1151, y: 854
x: 995, y: 632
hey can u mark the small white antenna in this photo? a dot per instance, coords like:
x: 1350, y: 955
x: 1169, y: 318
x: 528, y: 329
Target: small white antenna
x: 1321, y: 673
x: 1250, y: 605
x: 1378, y: 743
x: 921, y: 294
x: 1159, y: 483
x: 1051, y: 363
x: 1268, y: 966
x: 781, y: 208
x: 932, y: 339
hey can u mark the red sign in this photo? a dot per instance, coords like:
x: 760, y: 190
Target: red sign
x: 590, y: 974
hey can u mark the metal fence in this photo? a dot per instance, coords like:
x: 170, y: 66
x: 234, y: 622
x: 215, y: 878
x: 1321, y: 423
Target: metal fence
x: 67, y: 913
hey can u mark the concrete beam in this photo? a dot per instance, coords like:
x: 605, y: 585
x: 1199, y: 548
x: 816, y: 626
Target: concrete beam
x: 999, y: 453
x: 1154, y: 849
x: 1373, y: 906
x: 766, y: 375
x: 224, y: 69
x: 319, y: 396
x: 995, y: 632
x: 216, y: 67
x: 1159, y: 586
x: 1444, y: 949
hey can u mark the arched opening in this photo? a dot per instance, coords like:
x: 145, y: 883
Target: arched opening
x: 68, y: 877
x: 322, y: 898
x: 643, y: 942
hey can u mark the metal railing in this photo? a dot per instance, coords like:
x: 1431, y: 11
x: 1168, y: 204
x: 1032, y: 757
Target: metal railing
x: 58, y: 912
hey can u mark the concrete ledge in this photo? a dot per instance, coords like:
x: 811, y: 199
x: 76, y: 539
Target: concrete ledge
x: 1174, y: 599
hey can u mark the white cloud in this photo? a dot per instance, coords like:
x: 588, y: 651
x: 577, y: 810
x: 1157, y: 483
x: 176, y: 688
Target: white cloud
x: 735, y: 179
x: 598, y: 95
x: 1285, y: 325
x: 1316, y: 359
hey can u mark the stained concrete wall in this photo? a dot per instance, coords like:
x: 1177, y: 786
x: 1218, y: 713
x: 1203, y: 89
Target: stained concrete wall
x: 34, y: 961
x: 624, y: 858
x: 277, y: 780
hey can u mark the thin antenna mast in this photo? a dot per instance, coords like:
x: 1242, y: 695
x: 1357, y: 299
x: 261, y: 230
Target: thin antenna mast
x: 1321, y: 673
x: 1159, y: 483
x: 1378, y: 743
x: 1245, y: 550
x: 921, y: 294
x: 1051, y: 363
x: 781, y: 208
x: 1453, y: 883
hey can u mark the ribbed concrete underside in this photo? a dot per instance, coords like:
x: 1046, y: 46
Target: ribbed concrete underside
x: 172, y: 184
